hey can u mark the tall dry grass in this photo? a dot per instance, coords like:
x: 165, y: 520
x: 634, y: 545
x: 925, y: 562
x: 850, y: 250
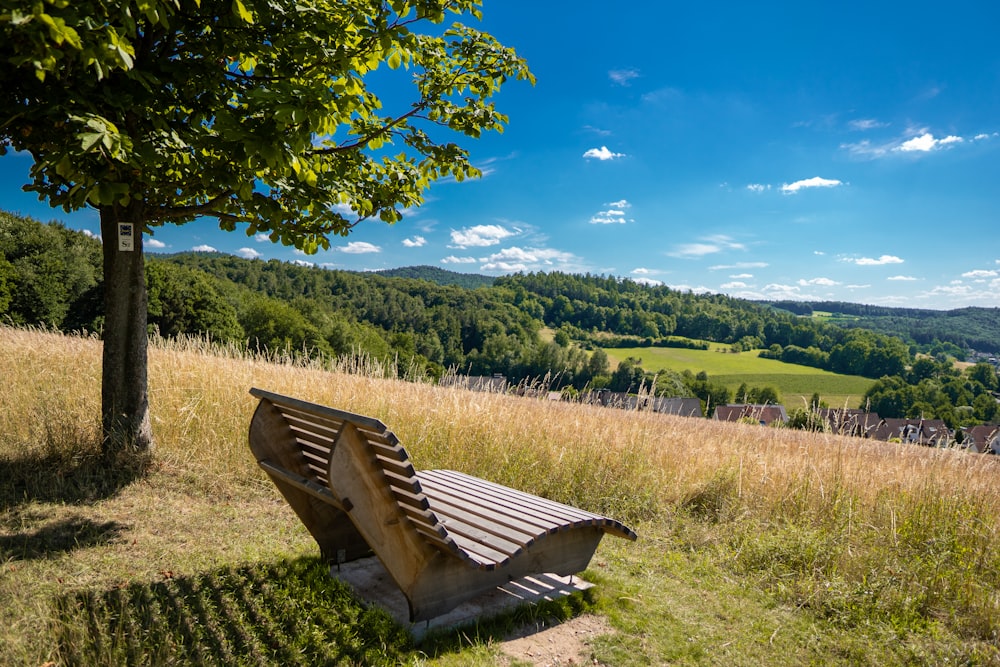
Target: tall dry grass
x: 851, y: 528
x: 638, y: 464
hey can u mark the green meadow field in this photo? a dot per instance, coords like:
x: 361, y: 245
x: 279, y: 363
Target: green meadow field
x: 795, y: 384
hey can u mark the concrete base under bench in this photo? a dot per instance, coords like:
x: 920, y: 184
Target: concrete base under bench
x: 373, y: 584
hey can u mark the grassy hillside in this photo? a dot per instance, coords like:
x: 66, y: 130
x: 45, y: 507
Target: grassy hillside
x: 757, y: 546
x: 796, y: 384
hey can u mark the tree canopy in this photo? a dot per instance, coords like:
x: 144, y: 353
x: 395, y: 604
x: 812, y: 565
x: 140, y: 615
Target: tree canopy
x: 289, y: 117
x: 252, y: 111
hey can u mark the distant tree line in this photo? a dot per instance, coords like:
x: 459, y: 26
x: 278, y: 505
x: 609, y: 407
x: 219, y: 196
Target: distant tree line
x: 51, y: 275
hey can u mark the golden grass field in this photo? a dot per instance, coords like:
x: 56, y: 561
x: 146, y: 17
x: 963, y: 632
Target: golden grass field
x: 757, y: 545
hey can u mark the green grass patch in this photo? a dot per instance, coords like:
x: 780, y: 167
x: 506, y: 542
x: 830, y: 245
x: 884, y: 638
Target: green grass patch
x: 796, y: 384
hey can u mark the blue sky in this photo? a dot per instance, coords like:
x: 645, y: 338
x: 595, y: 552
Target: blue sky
x: 810, y: 151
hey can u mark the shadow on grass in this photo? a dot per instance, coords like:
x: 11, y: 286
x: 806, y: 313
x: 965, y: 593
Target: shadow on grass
x: 76, y: 474
x: 58, y: 537
x: 289, y: 613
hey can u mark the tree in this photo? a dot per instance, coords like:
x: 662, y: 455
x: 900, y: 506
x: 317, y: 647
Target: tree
x: 260, y: 113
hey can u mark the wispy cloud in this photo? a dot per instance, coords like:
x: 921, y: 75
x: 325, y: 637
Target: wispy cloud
x: 602, y: 154
x: 248, y: 253
x: 706, y: 246
x: 981, y: 274
x: 814, y: 182
x: 359, y: 248
x: 601, y: 132
x: 623, y: 77
x: 614, y: 215
x: 902, y: 278
x: 204, y: 248
x: 415, y: 242
x: 738, y: 266
x: 479, y: 236
x: 863, y: 124
x: 872, y: 261
x: 915, y: 142
x: 451, y: 259
x: 758, y: 187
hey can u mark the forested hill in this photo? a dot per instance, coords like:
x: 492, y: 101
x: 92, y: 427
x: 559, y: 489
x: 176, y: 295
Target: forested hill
x: 971, y: 328
x: 51, y: 275
x: 438, y: 276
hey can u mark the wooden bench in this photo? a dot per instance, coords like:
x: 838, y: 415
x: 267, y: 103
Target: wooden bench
x: 443, y: 536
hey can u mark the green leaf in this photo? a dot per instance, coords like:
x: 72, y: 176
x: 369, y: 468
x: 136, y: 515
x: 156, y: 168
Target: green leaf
x: 241, y: 11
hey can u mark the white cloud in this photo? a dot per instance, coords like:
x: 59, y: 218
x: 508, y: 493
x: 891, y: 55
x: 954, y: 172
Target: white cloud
x: 742, y: 276
x: 926, y: 143
x: 602, y: 154
x: 451, y: 259
x: 615, y: 215
x: 611, y: 217
x: 981, y: 273
x: 902, y: 278
x: 415, y: 242
x: 650, y: 282
x: 302, y: 262
x: 779, y: 291
x: 479, y: 236
x: 823, y: 282
x: 734, y: 285
x: 623, y: 77
x: 758, y: 187
x: 869, y: 261
x: 154, y: 243
x: 814, y: 182
x: 248, y: 253
x: 531, y: 259
x: 204, y: 248
x: 359, y: 248
x: 739, y: 265
x: 87, y: 232
x: 262, y: 237
x: 914, y: 141
x: 641, y: 271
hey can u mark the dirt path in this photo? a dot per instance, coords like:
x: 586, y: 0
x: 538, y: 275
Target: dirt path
x: 568, y: 643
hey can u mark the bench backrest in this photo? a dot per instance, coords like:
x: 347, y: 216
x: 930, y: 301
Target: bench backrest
x: 313, y: 431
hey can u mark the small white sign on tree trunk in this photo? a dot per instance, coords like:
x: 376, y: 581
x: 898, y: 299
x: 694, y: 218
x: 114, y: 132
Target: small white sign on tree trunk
x: 126, y: 240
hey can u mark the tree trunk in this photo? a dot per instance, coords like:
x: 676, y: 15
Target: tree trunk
x: 124, y: 392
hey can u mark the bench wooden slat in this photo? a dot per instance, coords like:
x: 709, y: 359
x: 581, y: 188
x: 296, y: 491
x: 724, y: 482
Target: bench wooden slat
x: 443, y: 536
x: 544, y: 506
x: 544, y: 512
x: 517, y: 527
x: 312, y: 422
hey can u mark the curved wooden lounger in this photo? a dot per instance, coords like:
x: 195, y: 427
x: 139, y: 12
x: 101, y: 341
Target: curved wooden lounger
x: 443, y: 536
